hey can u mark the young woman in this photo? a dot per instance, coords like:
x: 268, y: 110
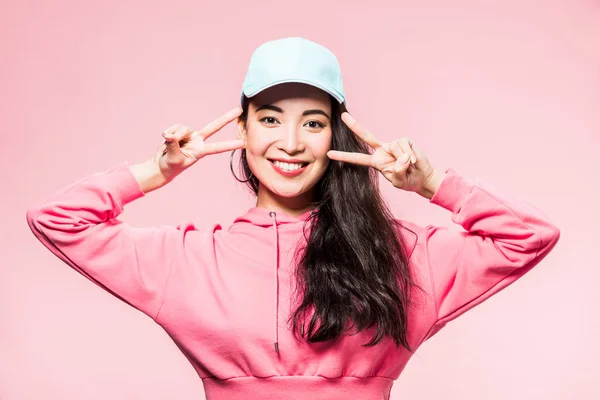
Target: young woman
x: 317, y: 291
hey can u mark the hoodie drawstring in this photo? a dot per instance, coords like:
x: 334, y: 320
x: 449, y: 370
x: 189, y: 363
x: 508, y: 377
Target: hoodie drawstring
x: 273, y: 215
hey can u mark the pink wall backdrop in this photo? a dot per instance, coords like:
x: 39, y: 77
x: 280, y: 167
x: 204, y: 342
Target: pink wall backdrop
x: 505, y: 91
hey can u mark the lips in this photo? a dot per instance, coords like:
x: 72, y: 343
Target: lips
x: 289, y: 168
x: 289, y: 165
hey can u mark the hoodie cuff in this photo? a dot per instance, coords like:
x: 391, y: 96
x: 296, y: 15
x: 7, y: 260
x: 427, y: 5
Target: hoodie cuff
x: 123, y: 185
x: 452, y: 192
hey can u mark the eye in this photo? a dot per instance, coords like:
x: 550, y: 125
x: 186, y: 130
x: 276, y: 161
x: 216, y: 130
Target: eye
x: 269, y: 120
x: 315, y: 124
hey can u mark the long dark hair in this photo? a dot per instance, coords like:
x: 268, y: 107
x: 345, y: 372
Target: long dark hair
x: 354, y: 267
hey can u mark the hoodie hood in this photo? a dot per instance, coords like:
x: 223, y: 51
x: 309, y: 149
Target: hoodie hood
x: 262, y: 217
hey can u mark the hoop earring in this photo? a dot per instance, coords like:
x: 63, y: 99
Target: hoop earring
x: 233, y: 173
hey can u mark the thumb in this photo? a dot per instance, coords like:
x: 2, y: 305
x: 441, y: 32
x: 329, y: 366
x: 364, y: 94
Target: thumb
x: 171, y: 143
x: 173, y: 156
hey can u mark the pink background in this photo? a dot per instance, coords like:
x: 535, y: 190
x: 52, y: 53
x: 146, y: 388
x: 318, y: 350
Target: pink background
x: 505, y: 91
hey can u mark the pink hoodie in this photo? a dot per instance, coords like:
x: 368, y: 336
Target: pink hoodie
x: 224, y: 295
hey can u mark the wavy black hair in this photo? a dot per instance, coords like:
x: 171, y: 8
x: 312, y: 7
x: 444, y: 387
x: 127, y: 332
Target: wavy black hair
x: 354, y: 266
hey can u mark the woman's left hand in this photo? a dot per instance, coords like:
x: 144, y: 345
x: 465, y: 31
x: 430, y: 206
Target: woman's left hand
x: 400, y: 161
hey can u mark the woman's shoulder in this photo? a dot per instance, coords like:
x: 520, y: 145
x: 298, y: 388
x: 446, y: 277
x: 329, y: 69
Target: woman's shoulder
x: 410, y: 233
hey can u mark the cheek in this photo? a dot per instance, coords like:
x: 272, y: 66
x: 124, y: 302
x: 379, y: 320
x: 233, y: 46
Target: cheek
x: 320, y: 145
x: 256, y: 146
x: 252, y: 152
x: 256, y: 141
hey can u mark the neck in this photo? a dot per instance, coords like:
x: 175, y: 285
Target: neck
x: 293, y: 206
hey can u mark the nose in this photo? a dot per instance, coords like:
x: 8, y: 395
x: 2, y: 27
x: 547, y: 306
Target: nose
x: 291, y: 140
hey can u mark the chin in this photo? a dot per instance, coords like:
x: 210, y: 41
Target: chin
x: 288, y: 193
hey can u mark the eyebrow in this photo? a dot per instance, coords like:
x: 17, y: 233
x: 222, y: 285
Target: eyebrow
x: 279, y: 110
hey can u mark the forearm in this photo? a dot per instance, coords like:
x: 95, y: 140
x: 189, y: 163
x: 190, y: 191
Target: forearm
x: 517, y: 229
x: 432, y: 185
x: 148, y: 175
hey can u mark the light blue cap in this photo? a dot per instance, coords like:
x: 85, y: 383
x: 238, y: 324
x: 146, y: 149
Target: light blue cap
x: 294, y: 59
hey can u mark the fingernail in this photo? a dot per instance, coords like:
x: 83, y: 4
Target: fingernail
x: 349, y: 119
x: 405, y: 157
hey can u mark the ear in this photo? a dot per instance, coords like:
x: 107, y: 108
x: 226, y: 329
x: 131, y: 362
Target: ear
x: 241, y: 131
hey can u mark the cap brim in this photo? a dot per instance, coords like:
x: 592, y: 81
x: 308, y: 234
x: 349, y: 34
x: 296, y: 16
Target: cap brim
x: 255, y: 89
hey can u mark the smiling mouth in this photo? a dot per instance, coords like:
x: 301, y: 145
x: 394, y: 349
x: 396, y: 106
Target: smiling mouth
x: 289, y: 167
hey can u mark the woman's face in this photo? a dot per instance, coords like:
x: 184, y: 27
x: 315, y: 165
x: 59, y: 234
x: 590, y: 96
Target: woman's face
x: 288, y: 133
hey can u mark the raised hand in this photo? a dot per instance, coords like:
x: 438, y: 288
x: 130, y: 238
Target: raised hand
x: 183, y: 146
x: 400, y: 162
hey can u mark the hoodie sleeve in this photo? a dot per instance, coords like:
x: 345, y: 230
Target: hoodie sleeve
x: 79, y: 225
x: 504, y: 239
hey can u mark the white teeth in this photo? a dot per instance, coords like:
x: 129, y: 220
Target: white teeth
x: 287, y: 166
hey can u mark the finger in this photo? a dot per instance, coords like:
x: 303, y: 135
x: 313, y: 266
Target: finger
x: 419, y: 155
x: 400, y: 167
x: 221, y: 147
x: 406, y: 146
x: 171, y: 129
x: 171, y: 145
x: 360, y: 131
x: 168, y: 134
x: 183, y: 132
x: 175, y: 140
x: 401, y: 157
x: 220, y: 122
x: 352, y: 158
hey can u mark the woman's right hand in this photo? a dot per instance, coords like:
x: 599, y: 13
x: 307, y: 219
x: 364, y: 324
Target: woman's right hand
x: 183, y: 146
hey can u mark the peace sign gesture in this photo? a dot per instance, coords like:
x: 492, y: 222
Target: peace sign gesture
x: 400, y: 162
x: 184, y: 146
